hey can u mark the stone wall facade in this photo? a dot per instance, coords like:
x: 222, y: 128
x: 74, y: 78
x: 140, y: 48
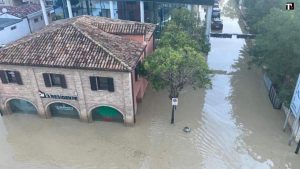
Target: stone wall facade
x: 78, y: 84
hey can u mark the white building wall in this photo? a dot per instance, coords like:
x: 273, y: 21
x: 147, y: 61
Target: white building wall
x: 7, y: 35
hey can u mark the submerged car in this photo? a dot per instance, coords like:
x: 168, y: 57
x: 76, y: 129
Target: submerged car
x: 217, y: 24
x: 216, y: 5
x: 216, y: 13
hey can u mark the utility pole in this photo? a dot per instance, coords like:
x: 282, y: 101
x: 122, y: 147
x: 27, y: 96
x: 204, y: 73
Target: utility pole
x: 42, y: 3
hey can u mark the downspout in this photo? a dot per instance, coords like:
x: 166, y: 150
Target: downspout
x: 133, y: 103
x: 29, y: 24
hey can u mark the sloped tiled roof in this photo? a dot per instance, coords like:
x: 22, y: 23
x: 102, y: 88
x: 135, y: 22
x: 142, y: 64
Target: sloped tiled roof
x: 22, y: 10
x: 122, y: 27
x: 5, y: 22
x: 74, y: 43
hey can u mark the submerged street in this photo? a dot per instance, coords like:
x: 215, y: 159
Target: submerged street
x: 233, y: 126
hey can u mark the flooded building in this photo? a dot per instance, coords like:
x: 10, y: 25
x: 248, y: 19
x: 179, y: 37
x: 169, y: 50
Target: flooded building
x: 149, y: 11
x: 85, y: 67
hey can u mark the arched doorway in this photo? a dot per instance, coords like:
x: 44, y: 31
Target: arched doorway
x: 59, y: 109
x: 106, y: 113
x: 21, y: 106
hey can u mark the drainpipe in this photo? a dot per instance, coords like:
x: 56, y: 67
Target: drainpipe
x: 111, y: 7
x: 142, y: 11
x: 44, y: 12
x: 28, y: 24
x: 133, y: 98
x: 69, y: 9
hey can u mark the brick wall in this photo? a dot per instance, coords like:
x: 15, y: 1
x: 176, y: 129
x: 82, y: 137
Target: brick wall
x: 78, y: 84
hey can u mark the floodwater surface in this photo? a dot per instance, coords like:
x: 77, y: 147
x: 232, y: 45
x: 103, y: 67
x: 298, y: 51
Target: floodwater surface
x: 233, y: 127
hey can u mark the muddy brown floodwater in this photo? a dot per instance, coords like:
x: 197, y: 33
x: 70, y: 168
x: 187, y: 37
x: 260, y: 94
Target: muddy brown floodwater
x: 233, y: 127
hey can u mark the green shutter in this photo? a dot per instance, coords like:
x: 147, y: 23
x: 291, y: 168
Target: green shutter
x: 93, y: 83
x: 47, y: 80
x: 3, y: 77
x: 111, y: 86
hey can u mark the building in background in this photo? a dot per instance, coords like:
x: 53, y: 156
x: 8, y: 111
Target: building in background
x: 149, y: 11
x: 84, y: 67
x: 12, y: 29
x: 30, y: 18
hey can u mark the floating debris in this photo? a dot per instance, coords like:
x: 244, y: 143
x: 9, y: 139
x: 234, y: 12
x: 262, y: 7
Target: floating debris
x: 187, y: 129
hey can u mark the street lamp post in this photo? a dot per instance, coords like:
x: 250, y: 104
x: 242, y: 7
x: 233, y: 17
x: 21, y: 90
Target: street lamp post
x: 174, y: 104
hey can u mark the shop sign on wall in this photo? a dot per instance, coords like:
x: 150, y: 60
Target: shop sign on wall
x: 56, y: 96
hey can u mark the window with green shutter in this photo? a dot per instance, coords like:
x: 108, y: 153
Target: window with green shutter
x: 8, y: 76
x: 54, y: 80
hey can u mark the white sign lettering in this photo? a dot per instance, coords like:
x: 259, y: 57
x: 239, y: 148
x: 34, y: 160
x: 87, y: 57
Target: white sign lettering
x: 55, y: 96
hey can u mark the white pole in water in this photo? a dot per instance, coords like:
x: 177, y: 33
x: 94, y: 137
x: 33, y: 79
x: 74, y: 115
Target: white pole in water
x: 69, y: 9
x: 294, y: 128
x: 111, y: 7
x: 208, y: 21
x: 44, y: 12
x: 142, y: 11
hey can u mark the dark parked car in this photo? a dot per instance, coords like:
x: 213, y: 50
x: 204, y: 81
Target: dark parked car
x: 216, y: 5
x: 217, y: 24
x: 216, y: 13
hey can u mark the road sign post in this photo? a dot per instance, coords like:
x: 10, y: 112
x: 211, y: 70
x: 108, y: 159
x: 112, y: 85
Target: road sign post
x: 174, y: 104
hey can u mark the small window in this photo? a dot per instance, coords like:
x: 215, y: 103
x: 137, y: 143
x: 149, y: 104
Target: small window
x: 11, y: 77
x: 102, y: 83
x: 54, y: 80
x: 8, y: 76
x: 13, y: 27
x: 41, y: 18
x: 36, y: 20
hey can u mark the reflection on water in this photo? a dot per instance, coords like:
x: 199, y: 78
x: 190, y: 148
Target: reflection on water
x: 219, y: 138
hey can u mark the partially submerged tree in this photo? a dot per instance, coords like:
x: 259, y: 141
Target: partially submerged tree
x: 185, y: 20
x: 179, y: 60
x: 174, y: 69
x: 277, y: 49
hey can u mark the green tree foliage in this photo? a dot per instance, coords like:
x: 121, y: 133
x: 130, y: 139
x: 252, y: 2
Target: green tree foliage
x: 173, y: 69
x: 185, y: 20
x: 257, y: 9
x: 179, y: 59
x: 276, y: 48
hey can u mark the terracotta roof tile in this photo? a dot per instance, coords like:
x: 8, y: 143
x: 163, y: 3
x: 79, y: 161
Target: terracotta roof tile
x: 74, y: 43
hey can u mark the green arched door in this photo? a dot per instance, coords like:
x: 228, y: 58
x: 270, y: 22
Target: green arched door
x: 63, y: 110
x: 105, y: 113
x: 21, y: 106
